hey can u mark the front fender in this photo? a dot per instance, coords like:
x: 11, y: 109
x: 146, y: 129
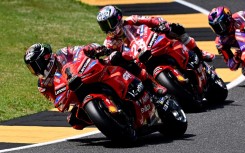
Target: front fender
x: 108, y: 102
x: 174, y: 71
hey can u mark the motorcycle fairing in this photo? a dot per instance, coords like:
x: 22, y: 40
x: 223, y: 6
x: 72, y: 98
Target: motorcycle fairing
x: 64, y: 97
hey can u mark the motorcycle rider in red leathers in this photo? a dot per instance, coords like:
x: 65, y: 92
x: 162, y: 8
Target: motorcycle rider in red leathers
x: 43, y: 63
x: 230, y: 30
x: 110, y: 21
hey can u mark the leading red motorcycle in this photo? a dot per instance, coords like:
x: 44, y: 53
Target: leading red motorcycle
x: 175, y: 67
x: 116, y: 102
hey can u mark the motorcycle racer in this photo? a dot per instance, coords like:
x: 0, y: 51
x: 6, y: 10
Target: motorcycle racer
x: 110, y: 21
x: 230, y: 30
x: 44, y: 64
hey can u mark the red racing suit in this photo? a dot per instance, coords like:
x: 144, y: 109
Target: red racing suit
x: 235, y: 40
x: 117, y: 42
x: 77, y: 117
x: 62, y: 56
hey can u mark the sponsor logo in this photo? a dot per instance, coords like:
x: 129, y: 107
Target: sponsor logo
x: 159, y: 39
x: 126, y: 75
x: 141, y: 31
x: 85, y: 65
x: 153, y: 39
x: 60, y: 90
x: 145, y: 108
x: 156, y: 70
x: 57, y: 74
x: 144, y: 99
x: 57, y: 100
x: 165, y: 106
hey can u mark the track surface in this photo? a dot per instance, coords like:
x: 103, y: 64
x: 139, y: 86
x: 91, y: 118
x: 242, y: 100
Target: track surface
x: 219, y: 129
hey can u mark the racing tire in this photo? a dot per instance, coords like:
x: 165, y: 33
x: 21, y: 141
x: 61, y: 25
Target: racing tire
x: 107, y: 124
x: 185, y: 98
x: 217, y: 91
x: 174, y: 119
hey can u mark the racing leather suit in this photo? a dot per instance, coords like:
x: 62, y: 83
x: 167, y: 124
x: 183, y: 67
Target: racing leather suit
x: 77, y: 118
x: 116, y: 42
x: 234, y: 40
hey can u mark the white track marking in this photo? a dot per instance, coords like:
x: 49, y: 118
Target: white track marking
x: 50, y: 142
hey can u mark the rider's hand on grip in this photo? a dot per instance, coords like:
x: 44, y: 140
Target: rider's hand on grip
x: 94, y: 50
x: 176, y: 28
x: 104, y: 51
x: 163, y: 27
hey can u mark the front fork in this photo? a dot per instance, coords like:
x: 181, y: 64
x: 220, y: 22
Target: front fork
x: 111, y: 107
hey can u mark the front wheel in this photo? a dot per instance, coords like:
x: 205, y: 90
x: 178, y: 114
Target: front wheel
x: 173, y: 118
x: 112, y: 126
x: 187, y: 99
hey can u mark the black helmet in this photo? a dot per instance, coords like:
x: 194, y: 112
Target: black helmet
x: 109, y: 18
x: 40, y: 60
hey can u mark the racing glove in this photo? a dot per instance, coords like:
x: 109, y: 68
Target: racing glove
x: 95, y: 50
x: 162, y: 28
x: 177, y: 28
x: 176, y: 31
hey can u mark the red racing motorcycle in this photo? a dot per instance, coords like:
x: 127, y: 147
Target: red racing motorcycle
x: 176, y: 68
x: 116, y: 102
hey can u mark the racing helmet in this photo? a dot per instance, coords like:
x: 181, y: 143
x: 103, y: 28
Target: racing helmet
x: 110, y: 20
x: 220, y: 20
x: 40, y: 60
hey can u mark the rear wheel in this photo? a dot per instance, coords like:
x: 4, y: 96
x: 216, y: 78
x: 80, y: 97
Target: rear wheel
x: 217, y: 91
x: 115, y: 127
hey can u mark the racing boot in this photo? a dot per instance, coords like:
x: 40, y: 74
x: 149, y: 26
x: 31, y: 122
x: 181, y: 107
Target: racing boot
x: 190, y: 43
x: 150, y: 83
x: 78, y: 119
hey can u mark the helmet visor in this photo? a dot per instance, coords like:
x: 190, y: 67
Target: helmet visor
x: 109, y: 25
x: 221, y: 27
x: 37, y: 67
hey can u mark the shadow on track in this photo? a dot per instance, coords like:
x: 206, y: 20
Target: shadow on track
x: 214, y: 106
x: 152, y: 139
x: 210, y: 106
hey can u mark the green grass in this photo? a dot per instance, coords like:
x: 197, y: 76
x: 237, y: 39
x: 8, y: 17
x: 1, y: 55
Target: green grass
x: 25, y: 22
